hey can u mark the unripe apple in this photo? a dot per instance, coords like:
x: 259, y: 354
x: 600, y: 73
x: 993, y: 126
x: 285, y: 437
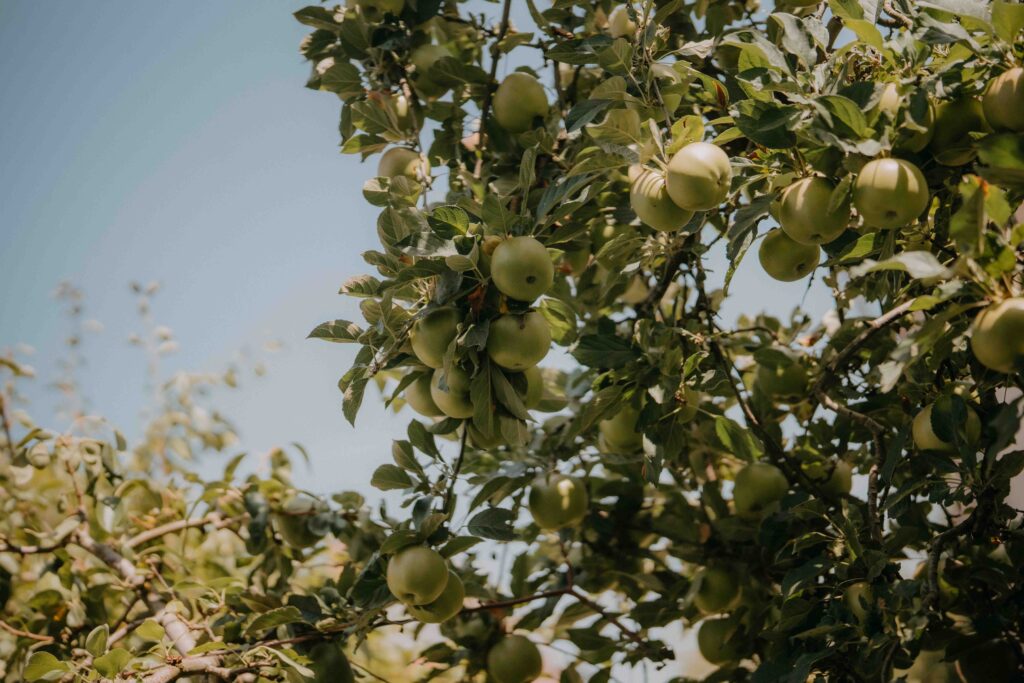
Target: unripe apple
x: 423, y: 58
x: 417, y: 395
x: 521, y: 268
x: 757, y: 486
x: 432, y: 334
x: 291, y: 521
x: 1003, y: 102
x: 519, y: 102
x: 997, y: 336
x: 518, y: 341
x: 648, y: 196
x: 453, y: 399
x: 534, y: 387
x: 926, y: 439
x: 785, y: 259
x: 558, y: 501
x: 786, y: 381
x: 417, y: 575
x: 951, y: 143
x: 514, y: 659
x: 712, y: 635
x: 859, y: 598
x: 804, y: 213
x: 400, y: 161
x: 889, y: 193
x: 907, y: 140
x: 446, y: 606
x: 699, y: 176
x: 619, y: 431
x: 619, y: 23
x: 989, y: 662
x: 840, y: 481
x: 719, y: 591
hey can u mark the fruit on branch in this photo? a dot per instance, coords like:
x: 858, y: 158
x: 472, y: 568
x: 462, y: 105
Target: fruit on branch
x: 784, y: 381
x: 926, y: 439
x: 997, y: 336
x: 620, y: 432
x: 514, y: 659
x: 446, y: 606
x: 432, y: 334
x: 534, y: 394
x: 518, y: 341
x: 840, y: 481
x: 951, y: 143
x: 858, y: 598
x: 521, y: 268
x: 520, y: 103
x: 907, y: 140
x: 400, y: 161
x: 890, y: 193
x: 291, y: 521
x: 603, y: 233
x: 620, y: 25
x: 636, y: 291
x: 417, y: 395
x: 558, y: 501
x: 417, y: 575
x: 699, y: 176
x: 374, y: 10
x: 804, y: 212
x: 453, y: 397
x: 330, y: 663
x: 785, y: 259
x: 424, y: 58
x: 1003, y: 102
x: 689, y: 405
x: 757, y: 486
x: 712, y: 640
x: 993, y: 661
x: 648, y: 196
x: 719, y: 591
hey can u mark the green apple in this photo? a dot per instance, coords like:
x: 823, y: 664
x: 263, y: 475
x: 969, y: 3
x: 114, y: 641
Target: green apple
x: 699, y: 176
x: 446, y: 606
x: 989, y: 662
x: 518, y: 341
x: 858, y: 598
x: 997, y: 336
x: 926, y: 439
x: 619, y: 431
x: 432, y: 334
x: 534, y: 387
x: 648, y: 196
x: 453, y: 398
x: 291, y: 521
x: 840, y: 480
x: 330, y: 665
x: 785, y: 259
x: 907, y: 140
x: 514, y: 659
x: 951, y: 143
x: 757, y: 486
x: 712, y: 637
x: 417, y: 395
x: 417, y: 575
x: 804, y: 212
x: 520, y: 103
x: 890, y: 193
x: 424, y: 58
x: 1003, y: 102
x: 719, y: 591
x: 619, y: 23
x: 636, y: 291
x: 557, y: 501
x: 577, y: 258
x: 400, y: 161
x: 786, y: 381
x: 521, y: 268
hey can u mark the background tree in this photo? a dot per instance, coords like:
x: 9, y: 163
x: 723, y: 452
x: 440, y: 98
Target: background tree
x: 680, y: 468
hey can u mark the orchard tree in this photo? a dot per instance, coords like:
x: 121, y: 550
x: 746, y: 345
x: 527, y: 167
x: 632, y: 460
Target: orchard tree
x: 817, y: 499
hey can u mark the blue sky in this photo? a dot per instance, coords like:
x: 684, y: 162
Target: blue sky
x: 175, y: 142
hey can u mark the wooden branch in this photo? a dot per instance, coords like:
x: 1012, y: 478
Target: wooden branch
x: 512, y: 602
x: 449, y: 494
x: 485, y: 111
x: 213, y: 519
x: 25, y: 634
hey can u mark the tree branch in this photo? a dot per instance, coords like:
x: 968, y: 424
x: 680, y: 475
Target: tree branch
x: 485, y: 111
x: 24, y: 634
x: 214, y: 519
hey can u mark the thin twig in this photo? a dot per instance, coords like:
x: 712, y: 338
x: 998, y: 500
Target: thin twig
x: 214, y: 519
x: 449, y: 494
x: 485, y: 111
x: 24, y: 634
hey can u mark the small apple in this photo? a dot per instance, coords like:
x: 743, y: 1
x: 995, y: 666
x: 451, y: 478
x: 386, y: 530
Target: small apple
x: 989, y: 662
x: 291, y: 521
x: 840, y: 480
x: 521, y: 268
x: 446, y: 606
x: 417, y: 575
x: 432, y: 334
x: 400, y: 161
x: 1003, y: 102
x: 520, y: 103
x: 997, y: 336
x: 757, y: 486
x: 858, y: 598
x: 951, y: 143
x: 699, y: 176
x: 558, y: 501
x: 786, y: 381
x: 712, y: 637
x: 926, y: 439
x: 424, y: 58
x: 514, y: 659
x: 719, y: 591
x: 453, y: 399
x: 890, y: 193
x: 619, y: 23
x: 785, y: 259
x: 518, y: 341
x: 648, y: 196
x: 804, y: 213
x: 619, y: 431
x: 417, y: 395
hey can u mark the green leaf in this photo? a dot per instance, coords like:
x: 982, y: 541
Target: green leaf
x: 42, y: 666
x: 1007, y: 19
x: 404, y: 456
x: 150, y: 631
x: 561, y: 319
x: 584, y: 112
x: 398, y: 540
x: 493, y: 523
x: 767, y: 124
x: 917, y: 264
x: 96, y: 641
x: 343, y: 78
x: 689, y: 128
x: 112, y: 663
x: 388, y: 477
x: 458, y: 545
x: 339, y: 331
x: 604, y: 351
x: 1003, y: 159
x: 736, y: 439
x: 272, y: 619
